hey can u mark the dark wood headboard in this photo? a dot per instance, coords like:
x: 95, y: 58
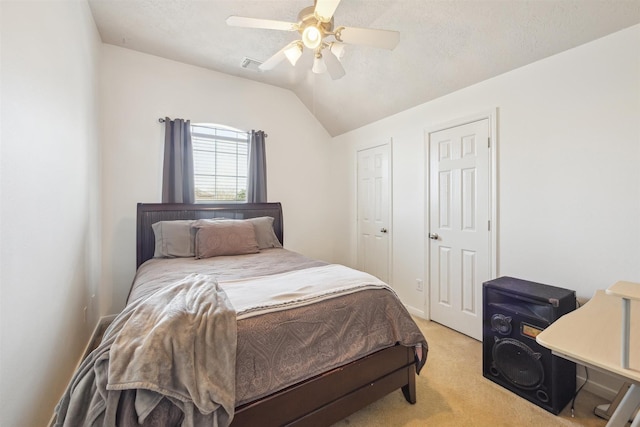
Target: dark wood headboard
x: 150, y: 213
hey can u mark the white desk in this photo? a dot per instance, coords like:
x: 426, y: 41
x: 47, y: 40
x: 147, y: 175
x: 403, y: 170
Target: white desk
x: 591, y: 335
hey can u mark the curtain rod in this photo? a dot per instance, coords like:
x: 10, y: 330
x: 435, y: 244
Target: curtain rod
x: 161, y: 120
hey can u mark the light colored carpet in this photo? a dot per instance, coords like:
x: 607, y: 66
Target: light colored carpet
x: 451, y: 391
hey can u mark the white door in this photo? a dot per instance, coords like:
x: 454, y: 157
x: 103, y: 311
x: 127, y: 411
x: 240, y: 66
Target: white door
x: 459, y: 229
x: 373, y: 211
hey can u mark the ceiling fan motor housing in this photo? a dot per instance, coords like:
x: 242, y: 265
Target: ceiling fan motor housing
x: 307, y: 19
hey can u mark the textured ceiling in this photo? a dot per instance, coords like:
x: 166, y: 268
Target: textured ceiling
x: 444, y: 45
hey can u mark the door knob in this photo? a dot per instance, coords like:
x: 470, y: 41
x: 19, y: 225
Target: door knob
x: 434, y: 236
x: 383, y: 230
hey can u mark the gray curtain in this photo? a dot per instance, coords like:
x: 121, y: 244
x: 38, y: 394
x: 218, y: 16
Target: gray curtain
x: 177, y: 175
x: 257, y: 175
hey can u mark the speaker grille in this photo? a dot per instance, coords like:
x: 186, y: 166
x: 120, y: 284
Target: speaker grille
x: 518, y: 363
x: 501, y: 324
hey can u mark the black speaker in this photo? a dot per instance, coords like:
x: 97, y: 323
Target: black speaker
x: 515, y: 312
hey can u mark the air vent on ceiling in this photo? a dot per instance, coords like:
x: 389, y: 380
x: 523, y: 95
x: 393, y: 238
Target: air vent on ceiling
x: 250, y: 64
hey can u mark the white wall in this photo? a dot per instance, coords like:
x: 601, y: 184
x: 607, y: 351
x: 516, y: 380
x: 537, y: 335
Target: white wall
x: 49, y: 245
x: 137, y: 89
x: 569, y: 175
x: 569, y: 184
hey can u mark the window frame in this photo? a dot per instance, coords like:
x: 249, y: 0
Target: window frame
x: 214, y: 137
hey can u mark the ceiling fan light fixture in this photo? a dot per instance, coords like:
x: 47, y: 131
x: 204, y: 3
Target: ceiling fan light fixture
x: 319, y: 65
x: 311, y: 37
x: 337, y: 49
x: 314, y: 24
x: 293, y: 53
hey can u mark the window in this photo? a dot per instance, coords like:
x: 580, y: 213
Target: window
x: 220, y: 163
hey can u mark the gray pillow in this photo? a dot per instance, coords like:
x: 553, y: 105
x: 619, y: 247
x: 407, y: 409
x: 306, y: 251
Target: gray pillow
x: 225, y: 238
x: 265, y: 235
x: 174, y: 239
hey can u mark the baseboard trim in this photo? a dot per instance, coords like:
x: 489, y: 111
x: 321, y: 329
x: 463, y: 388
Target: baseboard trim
x: 96, y: 335
x: 603, y: 385
x: 414, y: 311
x: 95, y: 339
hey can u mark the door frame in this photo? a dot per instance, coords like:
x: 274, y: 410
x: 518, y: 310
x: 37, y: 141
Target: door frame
x: 388, y: 144
x: 492, y: 116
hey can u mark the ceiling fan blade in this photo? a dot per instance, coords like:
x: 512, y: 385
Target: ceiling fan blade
x: 334, y: 67
x: 267, y: 24
x: 325, y: 9
x: 276, y: 59
x: 384, y: 39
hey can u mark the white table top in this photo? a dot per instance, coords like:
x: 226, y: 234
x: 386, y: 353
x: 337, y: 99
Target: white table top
x: 627, y: 290
x: 592, y: 335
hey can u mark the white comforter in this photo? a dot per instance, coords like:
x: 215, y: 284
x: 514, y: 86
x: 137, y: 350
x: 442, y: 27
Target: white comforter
x: 260, y: 295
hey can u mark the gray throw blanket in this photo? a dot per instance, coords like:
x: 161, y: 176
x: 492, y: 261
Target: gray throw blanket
x: 162, y: 347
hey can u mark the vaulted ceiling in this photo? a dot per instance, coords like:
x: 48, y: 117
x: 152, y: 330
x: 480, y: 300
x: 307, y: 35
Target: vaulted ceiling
x: 445, y: 45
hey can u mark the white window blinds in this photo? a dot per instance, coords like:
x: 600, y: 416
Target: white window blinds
x: 220, y: 161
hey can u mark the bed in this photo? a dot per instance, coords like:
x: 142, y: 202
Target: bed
x: 310, y: 360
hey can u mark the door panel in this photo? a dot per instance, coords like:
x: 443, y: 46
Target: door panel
x: 373, y: 211
x: 459, y: 195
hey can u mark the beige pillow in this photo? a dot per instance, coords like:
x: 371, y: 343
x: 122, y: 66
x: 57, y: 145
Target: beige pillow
x: 198, y: 223
x: 263, y: 226
x: 225, y: 238
x: 174, y: 238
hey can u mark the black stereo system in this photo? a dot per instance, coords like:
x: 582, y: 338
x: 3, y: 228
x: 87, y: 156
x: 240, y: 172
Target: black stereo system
x: 515, y: 312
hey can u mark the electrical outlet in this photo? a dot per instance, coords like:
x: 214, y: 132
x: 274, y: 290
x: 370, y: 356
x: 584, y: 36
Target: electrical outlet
x: 419, y: 284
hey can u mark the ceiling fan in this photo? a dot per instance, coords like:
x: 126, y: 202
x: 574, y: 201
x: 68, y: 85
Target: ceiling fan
x: 317, y: 33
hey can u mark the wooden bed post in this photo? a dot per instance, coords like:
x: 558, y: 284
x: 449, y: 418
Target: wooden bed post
x: 409, y: 390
